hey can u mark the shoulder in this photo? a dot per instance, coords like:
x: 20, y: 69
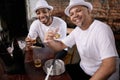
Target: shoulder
x: 75, y: 31
x: 35, y: 24
x: 102, y: 29
x: 101, y: 26
x: 36, y: 21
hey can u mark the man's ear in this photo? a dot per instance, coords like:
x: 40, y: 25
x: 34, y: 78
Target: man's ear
x: 50, y: 12
x: 89, y: 11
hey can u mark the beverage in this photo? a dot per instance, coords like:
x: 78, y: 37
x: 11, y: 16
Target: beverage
x: 32, y: 38
x: 57, y: 35
x: 33, y: 41
x: 37, y: 63
x: 55, y: 31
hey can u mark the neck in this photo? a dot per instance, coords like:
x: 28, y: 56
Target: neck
x: 86, y: 24
x: 50, y: 21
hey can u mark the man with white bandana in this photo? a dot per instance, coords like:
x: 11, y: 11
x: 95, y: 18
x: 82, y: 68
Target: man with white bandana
x: 44, y: 22
x: 95, y: 43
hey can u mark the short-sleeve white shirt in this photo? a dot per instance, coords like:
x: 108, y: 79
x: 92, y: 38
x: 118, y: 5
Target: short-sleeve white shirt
x: 94, y: 44
x: 38, y: 29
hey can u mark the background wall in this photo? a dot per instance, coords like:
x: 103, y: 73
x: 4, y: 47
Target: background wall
x: 107, y: 11
x: 17, y: 15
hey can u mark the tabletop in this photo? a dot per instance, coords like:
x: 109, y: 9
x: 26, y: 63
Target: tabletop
x: 37, y: 73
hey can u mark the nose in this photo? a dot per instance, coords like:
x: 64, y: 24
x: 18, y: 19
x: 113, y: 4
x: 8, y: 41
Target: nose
x: 40, y: 15
x: 75, y: 15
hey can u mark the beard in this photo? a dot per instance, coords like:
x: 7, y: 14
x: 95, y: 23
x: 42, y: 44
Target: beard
x: 45, y: 19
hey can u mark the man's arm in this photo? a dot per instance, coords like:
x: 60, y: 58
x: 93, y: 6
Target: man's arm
x: 52, y: 43
x: 56, y: 45
x: 106, y: 69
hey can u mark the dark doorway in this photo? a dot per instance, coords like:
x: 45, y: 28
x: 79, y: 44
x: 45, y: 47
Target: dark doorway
x: 13, y: 13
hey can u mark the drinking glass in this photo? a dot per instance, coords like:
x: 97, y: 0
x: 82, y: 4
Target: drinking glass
x: 37, y: 59
x: 33, y: 38
x: 55, y: 31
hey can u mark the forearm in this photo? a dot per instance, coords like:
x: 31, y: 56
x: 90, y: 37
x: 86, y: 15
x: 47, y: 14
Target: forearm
x: 56, y: 45
x: 107, y: 68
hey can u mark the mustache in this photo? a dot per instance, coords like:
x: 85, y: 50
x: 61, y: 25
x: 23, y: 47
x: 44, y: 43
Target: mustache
x: 43, y: 17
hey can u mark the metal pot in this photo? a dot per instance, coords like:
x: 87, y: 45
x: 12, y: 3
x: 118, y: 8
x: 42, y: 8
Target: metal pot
x: 57, y: 69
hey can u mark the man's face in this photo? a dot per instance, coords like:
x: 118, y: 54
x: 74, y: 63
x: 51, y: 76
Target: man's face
x: 44, y: 15
x: 79, y: 15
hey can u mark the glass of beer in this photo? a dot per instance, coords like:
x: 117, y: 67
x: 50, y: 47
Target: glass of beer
x: 37, y: 60
x: 33, y: 38
x: 37, y: 63
x: 57, y: 35
x: 55, y: 31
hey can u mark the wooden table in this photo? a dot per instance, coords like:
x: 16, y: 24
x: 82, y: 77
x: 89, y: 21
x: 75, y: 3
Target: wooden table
x: 35, y: 73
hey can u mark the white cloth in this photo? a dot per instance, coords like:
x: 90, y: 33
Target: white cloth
x: 78, y: 2
x: 37, y: 29
x: 94, y: 44
x: 42, y: 4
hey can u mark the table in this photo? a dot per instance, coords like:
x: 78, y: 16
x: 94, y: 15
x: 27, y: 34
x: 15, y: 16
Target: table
x: 35, y: 73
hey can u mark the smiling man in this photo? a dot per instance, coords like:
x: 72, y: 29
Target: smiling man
x: 95, y: 43
x: 45, y: 22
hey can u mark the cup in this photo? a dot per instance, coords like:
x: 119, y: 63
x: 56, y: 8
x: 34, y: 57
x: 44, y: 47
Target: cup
x: 29, y: 43
x: 37, y: 63
x: 37, y: 60
x: 57, y: 35
x: 32, y: 38
x: 55, y: 31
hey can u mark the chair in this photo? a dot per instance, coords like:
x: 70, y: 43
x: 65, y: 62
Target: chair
x: 72, y: 56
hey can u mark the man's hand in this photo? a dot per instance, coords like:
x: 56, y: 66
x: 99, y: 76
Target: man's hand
x: 29, y: 42
x: 49, y: 36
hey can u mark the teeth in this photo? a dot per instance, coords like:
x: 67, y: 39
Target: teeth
x: 77, y: 21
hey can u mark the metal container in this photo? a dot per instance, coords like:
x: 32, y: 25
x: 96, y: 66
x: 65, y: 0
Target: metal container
x: 57, y: 69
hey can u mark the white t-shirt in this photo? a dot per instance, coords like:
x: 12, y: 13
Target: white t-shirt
x: 37, y: 29
x: 94, y: 44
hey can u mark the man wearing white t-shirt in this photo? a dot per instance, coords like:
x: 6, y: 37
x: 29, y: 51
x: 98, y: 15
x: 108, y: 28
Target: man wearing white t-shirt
x: 95, y: 43
x: 45, y: 22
